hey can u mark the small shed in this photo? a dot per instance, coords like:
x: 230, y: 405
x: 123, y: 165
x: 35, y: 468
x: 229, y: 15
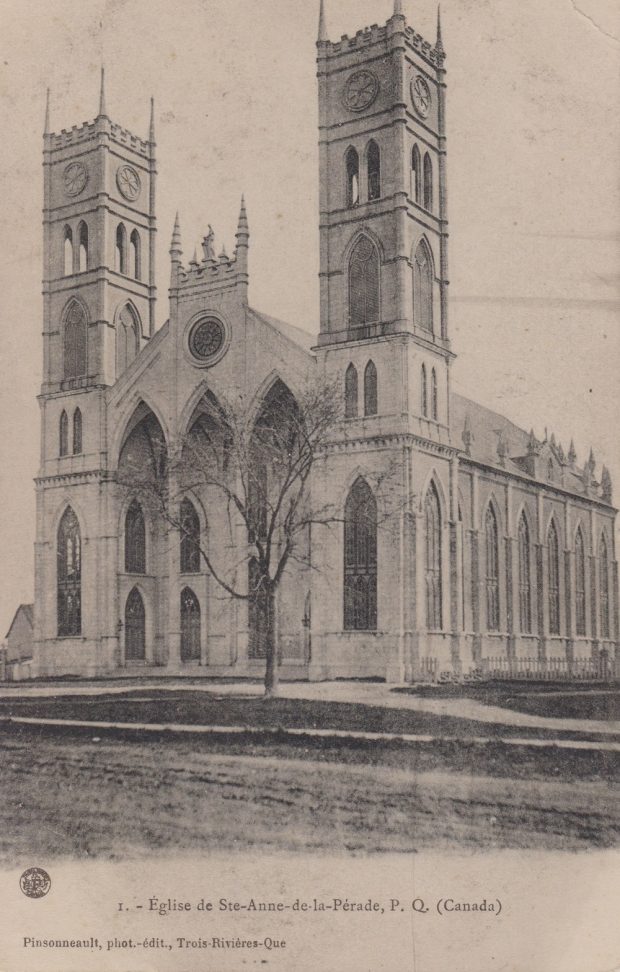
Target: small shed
x: 19, y: 645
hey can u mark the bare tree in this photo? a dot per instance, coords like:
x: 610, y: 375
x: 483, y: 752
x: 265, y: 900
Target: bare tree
x: 255, y: 468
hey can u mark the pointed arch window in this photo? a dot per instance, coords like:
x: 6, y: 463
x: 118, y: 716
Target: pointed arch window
x: 423, y: 287
x: 364, y: 283
x: 360, y: 559
x: 434, y: 406
x: 190, y: 626
x: 69, y: 576
x: 190, y: 538
x: 136, y: 254
x: 424, y: 392
x: 127, y: 338
x: 373, y: 160
x: 77, y: 432
x: 432, y: 522
x: 350, y: 392
x: 428, y: 183
x: 135, y: 627
x: 370, y: 389
x: 120, y: 250
x: 75, y: 341
x: 63, y: 434
x: 603, y: 564
x: 525, y: 584
x: 492, y: 569
x: 67, y: 254
x: 416, y: 174
x: 83, y: 247
x: 352, y: 163
x: 135, y: 540
x: 553, y: 574
x: 580, y: 585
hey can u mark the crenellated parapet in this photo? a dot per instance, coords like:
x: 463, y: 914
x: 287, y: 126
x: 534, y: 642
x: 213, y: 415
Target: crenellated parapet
x: 89, y: 131
x: 210, y: 272
x: 375, y: 34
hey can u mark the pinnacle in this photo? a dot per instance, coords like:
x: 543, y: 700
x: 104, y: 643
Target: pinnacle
x: 152, y: 122
x: 102, y: 108
x: 322, y: 25
x: 46, y: 127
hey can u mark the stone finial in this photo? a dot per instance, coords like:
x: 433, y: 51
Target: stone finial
x: 194, y: 260
x: 606, y: 485
x: 175, y: 243
x: 502, y: 447
x: 586, y: 478
x: 561, y: 455
x: 207, y: 246
x: 468, y: 435
x: 439, y: 42
x: 591, y: 462
x: 46, y: 127
x: 552, y: 440
x: 152, y: 123
x: 102, y: 108
x: 572, y: 454
x: 398, y: 8
x: 243, y: 229
x: 322, y: 38
x: 532, y: 444
x: 223, y: 257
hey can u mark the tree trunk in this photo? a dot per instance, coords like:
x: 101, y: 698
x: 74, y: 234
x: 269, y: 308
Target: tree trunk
x: 271, y: 668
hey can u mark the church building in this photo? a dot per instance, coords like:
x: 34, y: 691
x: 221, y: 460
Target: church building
x: 491, y: 549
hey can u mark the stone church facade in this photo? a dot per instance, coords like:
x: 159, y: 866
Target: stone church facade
x: 485, y: 546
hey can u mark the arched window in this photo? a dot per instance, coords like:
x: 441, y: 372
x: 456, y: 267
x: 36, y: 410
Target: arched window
x: 63, y: 434
x: 135, y: 540
x: 428, y: 183
x: 136, y: 255
x: 580, y: 585
x: 190, y: 538
x: 135, y: 634
x: 416, y: 174
x: 432, y: 520
x: 350, y: 392
x: 550, y: 471
x: 83, y: 244
x: 352, y: 163
x: 492, y: 569
x: 69, y: 576
x: 127, y: 338
x: 190, y: 626
x: 553, y: 573
x: 434, y: 407
x: 370, y: 389
x: 68, y: 252
x: 120, y: 262
x: 423, y: 287
x: 77, y: 432
x: 525, y: 586
x: 360, y: 559
x: 424, y: 392
x: 373, y: 160
x: 364, y: 283
x: 603, y: 565
x: 75, y: 341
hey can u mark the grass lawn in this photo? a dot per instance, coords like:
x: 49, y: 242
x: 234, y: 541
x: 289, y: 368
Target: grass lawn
x: 199, y: 708
x: 555, y: 699
x: 122, y: 796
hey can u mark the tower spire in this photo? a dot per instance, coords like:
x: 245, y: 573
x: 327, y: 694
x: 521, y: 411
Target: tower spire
x: 102, y: 110
x: 398, y: 8
x: 152, y: 122
x: 439, y: 44
x: 175, y: 243
x: 322, y: 24
x: 46, y: 127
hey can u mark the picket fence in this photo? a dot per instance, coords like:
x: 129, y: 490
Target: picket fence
x: 540, y: 669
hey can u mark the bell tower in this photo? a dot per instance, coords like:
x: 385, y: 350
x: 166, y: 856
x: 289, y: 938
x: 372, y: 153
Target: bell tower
x: 99, y: 248
x: 383, y: 200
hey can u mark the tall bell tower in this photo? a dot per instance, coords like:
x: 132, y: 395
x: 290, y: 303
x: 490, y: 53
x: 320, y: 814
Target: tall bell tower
x: 383, y: 199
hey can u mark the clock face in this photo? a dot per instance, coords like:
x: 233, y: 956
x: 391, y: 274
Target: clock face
x: 75, y: 178
x: 206, y: 339
x: 128, y: 182
x: 421, y: 96
x: 361, y: 90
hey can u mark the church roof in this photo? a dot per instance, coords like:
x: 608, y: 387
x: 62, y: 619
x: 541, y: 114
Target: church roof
x: 298, y: 336
x: 28, y: 611
x: 488, y: 428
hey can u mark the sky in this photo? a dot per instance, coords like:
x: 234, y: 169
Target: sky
x: 533, y: 187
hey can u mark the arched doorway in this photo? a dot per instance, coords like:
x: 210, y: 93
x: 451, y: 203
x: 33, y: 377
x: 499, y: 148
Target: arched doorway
x: 135, y: 627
